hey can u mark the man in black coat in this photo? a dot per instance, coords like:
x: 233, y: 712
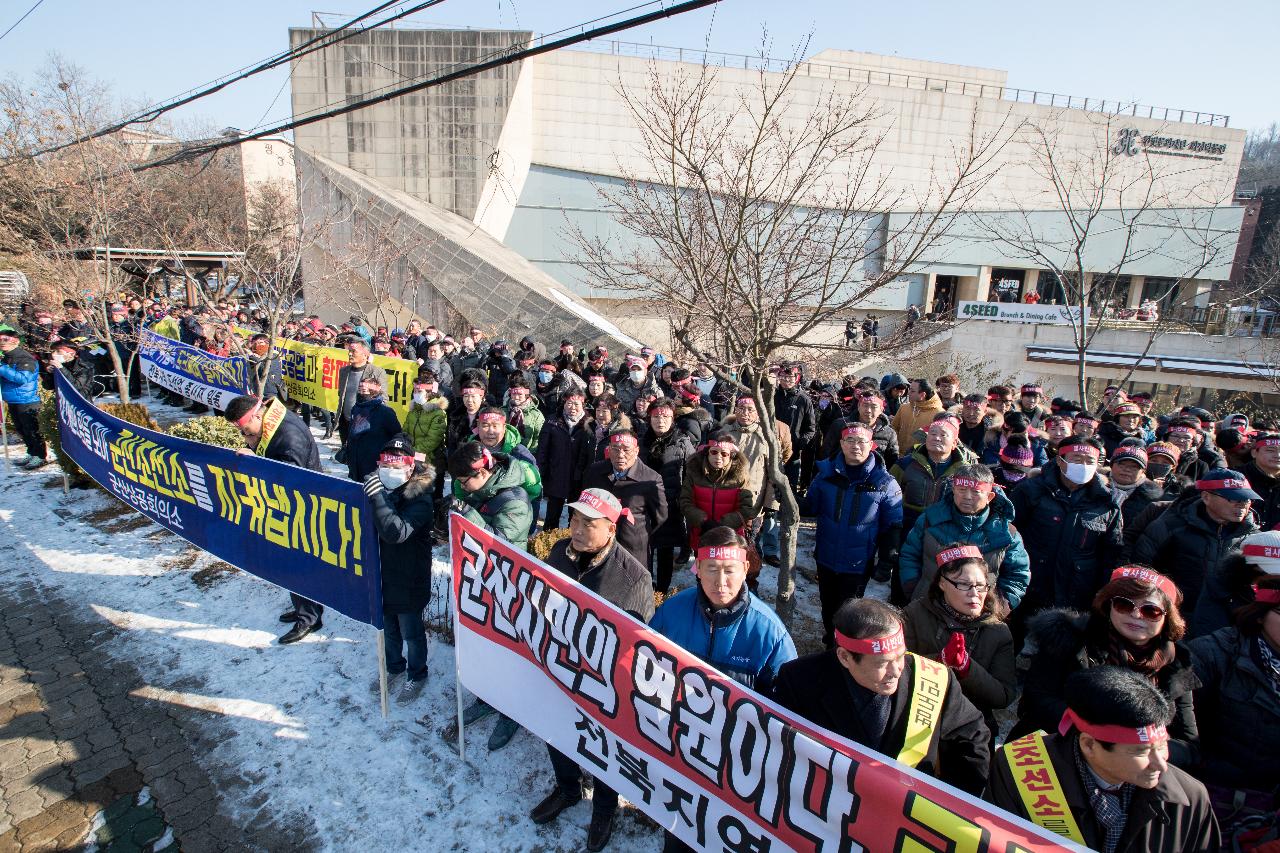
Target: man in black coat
x: 637, y: 486
x: 863, y: 689
x: 1263, y: 474
x: 792, y: 406
x: 557, y: 449
x: 1116, y: 790
x: 866, y: 408
x: 594, y: 557
x: 272, y: 431
x: 77, y: 370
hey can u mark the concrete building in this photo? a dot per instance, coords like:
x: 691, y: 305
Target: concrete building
x: 522, y: 152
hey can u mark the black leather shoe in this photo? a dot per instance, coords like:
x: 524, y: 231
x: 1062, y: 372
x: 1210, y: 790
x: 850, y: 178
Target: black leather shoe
x: 289, y: 616
x: 550, y: 808
x: 297, y: 632
x: 600, y: 831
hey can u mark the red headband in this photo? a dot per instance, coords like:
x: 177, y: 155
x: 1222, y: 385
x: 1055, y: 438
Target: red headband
x: 1182, y: 430
x: 1078, y: 448
x: 1214, y: 485
x: 1267, y: 442
x: 491, y: 416
x: 395, y: 457
x: 974, y: 404
x: 602, y: 506
x: 969, y: 483
x: 1272, y: 551
x: 722, y: 445
x: 622, y: 438
x: 948, y: 424
x: 1265, y: 595
x: 1083, y: 417
x: 1148, y: 576
x: 485, y: 462
x: 723, y: 552
x: 1113, y: 734
x: 857, y: 429
x: 946, y: 555
x: 244, y: 419
x: 873, y: 645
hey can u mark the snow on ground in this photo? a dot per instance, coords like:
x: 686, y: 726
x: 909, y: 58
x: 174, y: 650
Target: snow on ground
x: 298, y: 728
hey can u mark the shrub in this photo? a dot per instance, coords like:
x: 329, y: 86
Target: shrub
x: 209, y: 430
x: 134, y: 413
x: 540, y: 544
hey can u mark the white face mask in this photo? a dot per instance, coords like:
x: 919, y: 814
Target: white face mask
x: 393, y: 478
x: 1080, y: 474
x: 637, y: 376
x: 420, y: 397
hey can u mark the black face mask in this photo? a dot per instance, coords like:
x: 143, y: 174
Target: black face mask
x: 1158, y: 470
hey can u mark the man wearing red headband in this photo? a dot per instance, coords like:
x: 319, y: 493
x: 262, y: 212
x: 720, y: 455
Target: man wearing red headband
x: 922, y: 471
x: 274, y: 432
x: 872, y: 691
x: 1263, y: 474
x: 493, y: 432
x: 637, y: 487
x: 868, y: 410
x: 593, y: 556
x: 1103, y: 780
x: 1189, y: 540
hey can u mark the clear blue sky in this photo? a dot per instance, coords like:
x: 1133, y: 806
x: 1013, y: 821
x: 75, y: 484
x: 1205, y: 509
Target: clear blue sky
x: 1178, y: 53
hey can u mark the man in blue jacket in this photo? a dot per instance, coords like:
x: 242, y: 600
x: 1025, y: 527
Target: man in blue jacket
x: 723, y: 624
x: 975, y: 511
x: 20, y: 390
x: 858, y: 509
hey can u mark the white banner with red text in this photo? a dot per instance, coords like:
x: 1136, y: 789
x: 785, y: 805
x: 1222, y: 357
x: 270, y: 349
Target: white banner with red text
x: 716, y: 764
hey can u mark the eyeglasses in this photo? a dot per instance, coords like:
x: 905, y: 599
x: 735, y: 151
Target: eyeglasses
x: 1125, y: 607
x: 965, y: 586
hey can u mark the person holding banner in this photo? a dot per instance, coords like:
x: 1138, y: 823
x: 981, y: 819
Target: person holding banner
x: 870, y: 690
x: 274, y: 432
x: 400, y: 496
x: 594, y: 557
x: 489, y: 490
x: 1103, y: 779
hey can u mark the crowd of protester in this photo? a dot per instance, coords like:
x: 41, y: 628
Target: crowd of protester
x: 1106, y: 574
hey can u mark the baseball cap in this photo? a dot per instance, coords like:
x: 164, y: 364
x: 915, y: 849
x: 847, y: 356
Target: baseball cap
x: 1262, y: 550
x: 1131, y: 452
x: 1228, y: 484
x: 598, y: 503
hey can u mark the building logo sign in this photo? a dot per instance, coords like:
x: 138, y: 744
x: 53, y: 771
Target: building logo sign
x: 1130, y: 142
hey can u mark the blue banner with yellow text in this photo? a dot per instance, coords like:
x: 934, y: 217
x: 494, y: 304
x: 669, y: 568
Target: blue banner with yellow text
x: 191, y: 372
x: 305, y: 531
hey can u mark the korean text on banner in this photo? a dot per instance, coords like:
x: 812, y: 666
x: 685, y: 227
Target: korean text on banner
x: 713, y: 762
x: 311, y: 374
x: 191, y: 372
x: 305, y: 531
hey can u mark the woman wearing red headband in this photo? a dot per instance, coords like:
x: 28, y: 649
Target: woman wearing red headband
x: 1239, y: 705
x: 714, y: 492
x: 871, y: 690
x: 1135, y: 623
x: 960, y: 621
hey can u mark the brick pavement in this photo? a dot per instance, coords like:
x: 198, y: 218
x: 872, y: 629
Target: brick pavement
x: 79, y: 753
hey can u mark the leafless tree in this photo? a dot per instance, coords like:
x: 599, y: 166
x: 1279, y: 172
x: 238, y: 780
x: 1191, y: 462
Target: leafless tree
x: 1102, y: 208
x: 758, y: 215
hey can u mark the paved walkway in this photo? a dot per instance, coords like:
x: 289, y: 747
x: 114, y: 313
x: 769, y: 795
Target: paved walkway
x: 85, y: 761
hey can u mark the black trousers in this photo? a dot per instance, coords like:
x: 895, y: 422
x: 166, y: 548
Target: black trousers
x: 569, y: 780
x: 834, y: 589
x: 28, y: 426
x: 555, y: 511
x: 665, y: 562
x: 309, y: 612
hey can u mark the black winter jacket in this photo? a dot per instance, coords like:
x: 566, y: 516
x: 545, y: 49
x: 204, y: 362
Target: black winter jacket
x: 615, y: 576
x: 668, y: 455
x: 1267, y: 509
x: 1184, y: 544
x: 641, y: 491
x: 373, y: 424
x: 558, y: 448
x: 404, y: 518
x: 793, y: 407
x: 818, y: 688
x: 885, y: 436
x: 293, y: 443
x: 1146, y: 493
x: 1067, y: 642
x: 1072, y: 538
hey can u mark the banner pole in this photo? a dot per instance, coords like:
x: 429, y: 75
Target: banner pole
x: 457, y: 691
x: 4, y: 432
x: 382, y: 673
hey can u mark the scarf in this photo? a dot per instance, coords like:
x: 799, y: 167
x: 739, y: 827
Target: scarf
x: 1110, y: 805
x: 959, y: 620
x: 1271, y: 663
x: 1147, y: 660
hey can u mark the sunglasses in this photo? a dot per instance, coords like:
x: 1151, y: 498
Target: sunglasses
x: 1126, y: 607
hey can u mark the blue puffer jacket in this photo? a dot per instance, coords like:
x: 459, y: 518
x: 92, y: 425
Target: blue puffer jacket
x: 19, y: 377
x: 746, y: 640
x: 855, y: 510
x: 991, y: 530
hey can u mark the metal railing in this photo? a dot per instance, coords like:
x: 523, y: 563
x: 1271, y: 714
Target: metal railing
x: 871, y: 77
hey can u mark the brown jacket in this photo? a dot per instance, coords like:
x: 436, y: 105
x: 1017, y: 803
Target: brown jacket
x: 751, y: 444
x: 1174, y: 815
x: 912, y: 417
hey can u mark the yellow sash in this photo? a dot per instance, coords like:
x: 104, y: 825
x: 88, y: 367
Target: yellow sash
x: 1038, y: 785
x: 272, y: 417
x: 928, y: 688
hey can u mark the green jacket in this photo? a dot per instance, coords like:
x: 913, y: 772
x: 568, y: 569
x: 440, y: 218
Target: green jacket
x: 426, y: 426
x: 920, y: 487
x: 533, y: 421
x: 522, y: 460
x: 501, y: 505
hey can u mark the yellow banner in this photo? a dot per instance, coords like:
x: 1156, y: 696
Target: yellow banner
x: 311, y: 375
x: 928, y: 689
x: 1038, y: 785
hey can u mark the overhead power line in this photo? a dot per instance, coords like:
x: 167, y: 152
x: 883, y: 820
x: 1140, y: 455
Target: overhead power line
x: 14, y: 26
x: 505, y: 58
x: 319, y: 42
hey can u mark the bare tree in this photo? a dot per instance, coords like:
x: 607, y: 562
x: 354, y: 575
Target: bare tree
x: 757, y: 220
x: 1105, y: 207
